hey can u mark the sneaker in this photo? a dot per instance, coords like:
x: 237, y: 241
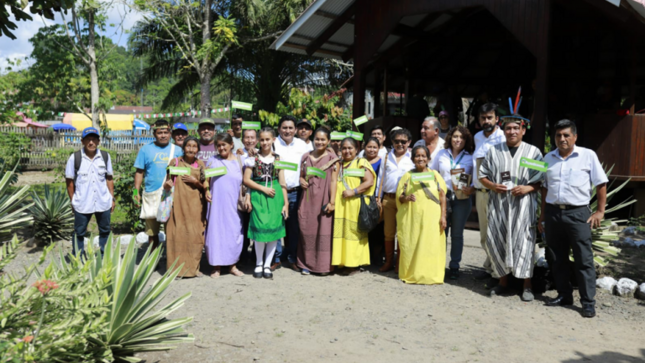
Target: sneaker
x: 527, y: 295
x: 304, y: 271
x: 498, y: 290
x: 454, y: 274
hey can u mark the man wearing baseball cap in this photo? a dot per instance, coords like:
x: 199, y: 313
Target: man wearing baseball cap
x: 88, y: 175
x: 179, y: 133
x: 444, y: 120
x: 206, y: 131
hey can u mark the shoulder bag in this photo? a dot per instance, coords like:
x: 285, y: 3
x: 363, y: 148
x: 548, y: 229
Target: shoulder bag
x: 368, y: 214
x: 150, y: 199
x: 165, y: 205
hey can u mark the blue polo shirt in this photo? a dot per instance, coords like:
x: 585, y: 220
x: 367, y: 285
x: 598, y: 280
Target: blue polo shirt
x: 91, y: 193
x: 154, y: 160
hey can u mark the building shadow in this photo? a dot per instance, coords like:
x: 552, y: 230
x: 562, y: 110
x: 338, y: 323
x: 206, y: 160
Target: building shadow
x: 606, y: 357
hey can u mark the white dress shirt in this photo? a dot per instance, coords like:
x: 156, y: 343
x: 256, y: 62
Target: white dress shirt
x: 291, y: 153
x: 482, y: 145
x: 444, y: 163
x: 91, y: 193
x: 569, y: 180
x: 440, y: 145
x: 394, y: 171
x: 310, y: 145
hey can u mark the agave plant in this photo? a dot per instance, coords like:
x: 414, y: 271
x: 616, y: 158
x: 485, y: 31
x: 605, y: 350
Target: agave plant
x: 8, y: 252
x: 53, y: 216
x: 13, y: 209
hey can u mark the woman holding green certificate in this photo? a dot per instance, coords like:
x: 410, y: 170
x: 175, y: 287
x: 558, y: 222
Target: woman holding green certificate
x: 350, y: 247
x: 421, y: 221
x: 224, y: 235
x: 318, y: 173
x: 270, y: 208
x: 185, y: 228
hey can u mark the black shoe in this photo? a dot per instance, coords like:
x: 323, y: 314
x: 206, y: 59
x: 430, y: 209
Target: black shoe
x: 560, y: 301
x: 588, y: 311
x: 498, y: 290
x: 492, y: 282
x: 454, y: 274
x: 267, y: 273
x: 258, y: 274
x: 482, y: 275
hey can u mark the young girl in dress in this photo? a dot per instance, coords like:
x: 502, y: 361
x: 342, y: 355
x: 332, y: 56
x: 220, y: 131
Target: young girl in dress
x: 269, y: 202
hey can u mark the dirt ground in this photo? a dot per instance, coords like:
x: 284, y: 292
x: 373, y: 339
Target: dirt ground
x: 373, y: 317
x: 35, y: 177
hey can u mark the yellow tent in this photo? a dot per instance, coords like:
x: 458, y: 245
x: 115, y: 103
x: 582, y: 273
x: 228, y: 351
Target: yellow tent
x: 114, y: 122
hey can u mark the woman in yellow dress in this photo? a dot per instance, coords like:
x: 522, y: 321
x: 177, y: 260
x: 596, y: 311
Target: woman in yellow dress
x: 349, y: 247
x: 421, y: 221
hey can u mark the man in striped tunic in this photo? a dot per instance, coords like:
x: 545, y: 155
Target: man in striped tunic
x: 512, y: 205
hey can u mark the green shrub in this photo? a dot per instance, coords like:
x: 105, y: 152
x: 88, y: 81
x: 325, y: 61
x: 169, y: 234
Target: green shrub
x: 123, y: 183
x: 13, y: 208
x: 53, y: 215
x: 99, y: 309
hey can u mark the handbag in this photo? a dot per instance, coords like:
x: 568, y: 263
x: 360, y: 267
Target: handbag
x: 241, y: 198
x: 368, y: 214
x: 150, y: 200
x: 165, y: 205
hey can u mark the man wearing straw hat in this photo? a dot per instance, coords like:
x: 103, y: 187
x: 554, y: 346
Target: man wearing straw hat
x: 513, y: 172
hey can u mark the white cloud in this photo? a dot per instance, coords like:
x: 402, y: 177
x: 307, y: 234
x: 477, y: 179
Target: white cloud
x: 21, y: 48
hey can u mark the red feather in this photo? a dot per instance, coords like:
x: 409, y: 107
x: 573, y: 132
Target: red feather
x: 517, y: 99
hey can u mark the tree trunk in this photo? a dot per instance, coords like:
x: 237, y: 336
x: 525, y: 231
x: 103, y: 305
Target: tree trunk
x: 94, y: 75
x: 207, y: 73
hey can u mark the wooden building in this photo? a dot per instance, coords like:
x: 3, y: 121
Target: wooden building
x: 577, y: 59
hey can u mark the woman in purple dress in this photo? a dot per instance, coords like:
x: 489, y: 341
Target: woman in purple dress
x: 224, y: 236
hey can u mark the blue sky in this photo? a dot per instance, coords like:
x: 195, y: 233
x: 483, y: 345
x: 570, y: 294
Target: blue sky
x: 21, y: 48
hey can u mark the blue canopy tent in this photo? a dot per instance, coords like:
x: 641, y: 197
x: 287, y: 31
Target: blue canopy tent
x: 140, y: 125
x: 63, y: 127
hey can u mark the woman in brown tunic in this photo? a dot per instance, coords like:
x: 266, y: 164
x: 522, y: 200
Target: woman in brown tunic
x: 185, y: 228
x: 316, y: 211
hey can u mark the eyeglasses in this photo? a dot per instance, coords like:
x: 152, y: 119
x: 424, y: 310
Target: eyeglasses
x: 400, y: 141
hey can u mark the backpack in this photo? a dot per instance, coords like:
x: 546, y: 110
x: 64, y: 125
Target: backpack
x: 78, y: 159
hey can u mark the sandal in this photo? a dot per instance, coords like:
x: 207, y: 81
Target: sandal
x: 236, y: 272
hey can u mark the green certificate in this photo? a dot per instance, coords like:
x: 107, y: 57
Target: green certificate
x: 177, y: 170
x: 534, y: 164
x: 419, y: 177
x: 361, y: 120
x: 355, y: 135
x: 251, y: 125
x: 359, y: 173
x: 337, y: 135
x: 209, y: 173
x: 286, y: 165
x: 311, y: 171
x: 242, y: 105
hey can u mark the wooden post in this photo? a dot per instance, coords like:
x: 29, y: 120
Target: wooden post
x: 385, y: 92
x: 359, y: 94
x: 542, y: 75
x: 632, y: 76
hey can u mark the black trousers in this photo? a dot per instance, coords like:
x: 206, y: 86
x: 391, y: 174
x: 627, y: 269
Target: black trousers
x: 568, y: 230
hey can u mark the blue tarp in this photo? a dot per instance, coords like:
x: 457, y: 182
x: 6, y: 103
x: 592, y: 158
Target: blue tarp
x: 140, y: 125
x: 62, y: 127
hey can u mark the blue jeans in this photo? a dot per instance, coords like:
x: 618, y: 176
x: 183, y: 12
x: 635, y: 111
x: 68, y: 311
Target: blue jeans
x: 293, y: 229
x: 457, y: 220
x: 80, y: 228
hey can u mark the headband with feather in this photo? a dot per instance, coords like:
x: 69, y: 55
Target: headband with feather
x: 515, y: 116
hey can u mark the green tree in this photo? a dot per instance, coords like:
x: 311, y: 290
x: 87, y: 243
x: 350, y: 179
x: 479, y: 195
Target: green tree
x: 46, y: 8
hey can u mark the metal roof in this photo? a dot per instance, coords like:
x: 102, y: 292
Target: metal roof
x: 311, y: 24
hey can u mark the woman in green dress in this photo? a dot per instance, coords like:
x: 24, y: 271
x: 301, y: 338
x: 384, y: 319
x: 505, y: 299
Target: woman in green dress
x: 268, y: 202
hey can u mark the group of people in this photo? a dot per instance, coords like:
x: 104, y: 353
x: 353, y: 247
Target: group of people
x: 300, y: 197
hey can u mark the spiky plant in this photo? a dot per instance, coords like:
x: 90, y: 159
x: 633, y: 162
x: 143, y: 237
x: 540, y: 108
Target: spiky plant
x: 13, y: 209
x: 53, y: 216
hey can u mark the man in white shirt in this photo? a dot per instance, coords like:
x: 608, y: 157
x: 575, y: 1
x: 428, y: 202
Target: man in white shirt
x: 290, y: 149
x: 490, y: 135
x: 566, y: 194
x: 430, y: 136
x: 304, y: 131
x: 378, y: 132
x: 398, y: 162
x: 90, y: 187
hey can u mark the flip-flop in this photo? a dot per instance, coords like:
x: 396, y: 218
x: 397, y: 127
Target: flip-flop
x: 236, y: 272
